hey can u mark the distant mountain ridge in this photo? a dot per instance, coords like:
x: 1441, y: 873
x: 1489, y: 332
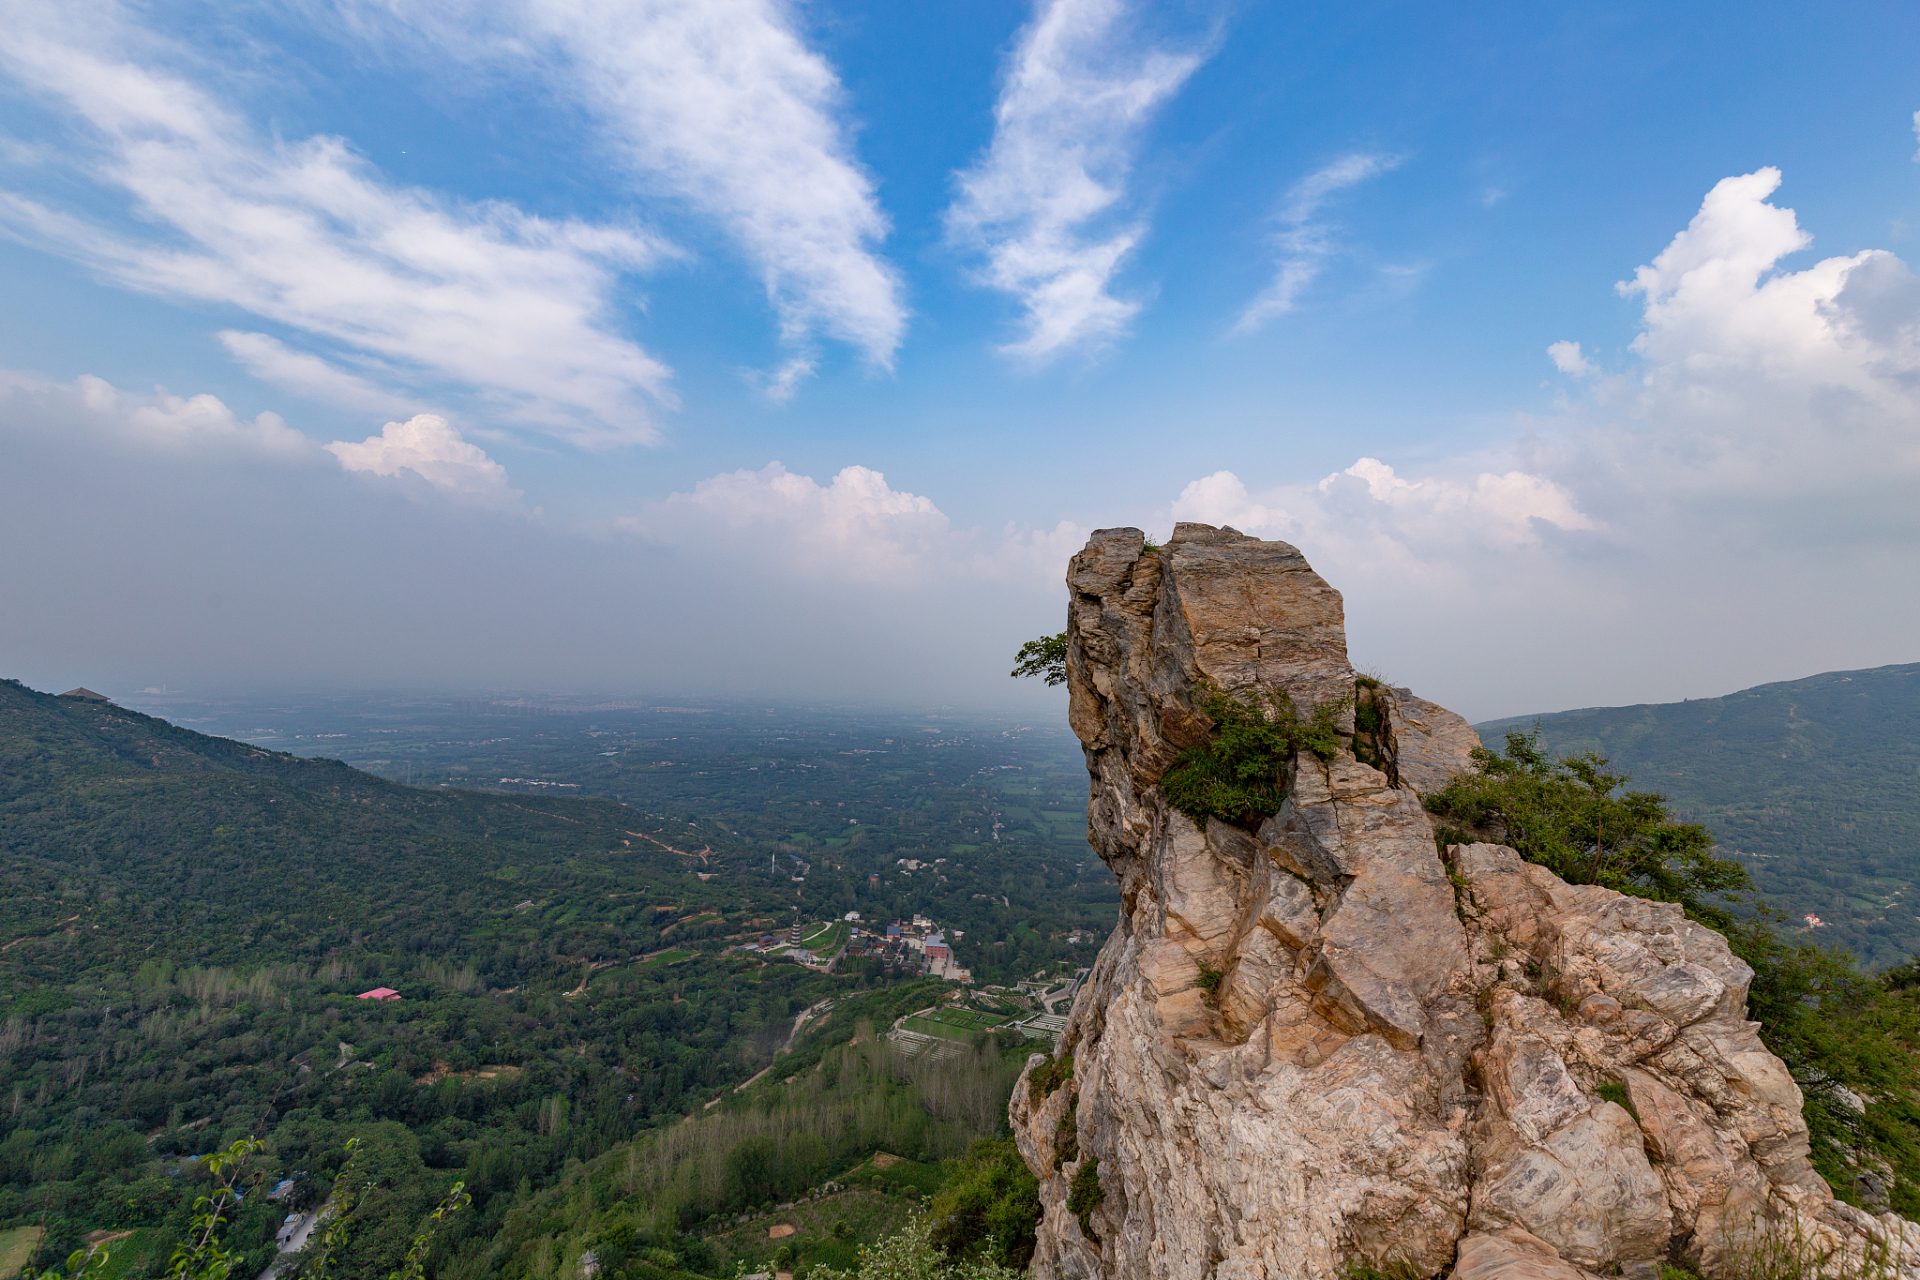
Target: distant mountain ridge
x: 123, y: 837
x: 1814, y: 784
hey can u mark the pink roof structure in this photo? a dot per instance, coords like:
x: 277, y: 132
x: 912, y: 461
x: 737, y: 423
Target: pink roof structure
x: 379, y: 993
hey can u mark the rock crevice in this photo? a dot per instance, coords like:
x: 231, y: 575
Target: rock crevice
x: 1396, y: 1057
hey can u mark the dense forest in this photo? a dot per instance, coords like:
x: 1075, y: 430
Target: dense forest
x: 811, y: 802
x: 191, y: 924
x: 1814, y: 785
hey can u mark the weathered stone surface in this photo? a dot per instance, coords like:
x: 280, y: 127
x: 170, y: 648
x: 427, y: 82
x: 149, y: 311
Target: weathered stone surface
x: 1394, y: 1066
x: 1431, y: 745
x: 1513, y: 1256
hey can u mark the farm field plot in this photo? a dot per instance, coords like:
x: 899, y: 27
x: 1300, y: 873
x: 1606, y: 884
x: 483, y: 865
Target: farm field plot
x: 669, y: 957
x: 952, y: 1024
x: 972, y: 1019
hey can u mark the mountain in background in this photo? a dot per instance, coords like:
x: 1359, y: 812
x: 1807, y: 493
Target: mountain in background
x: 1813, y: 784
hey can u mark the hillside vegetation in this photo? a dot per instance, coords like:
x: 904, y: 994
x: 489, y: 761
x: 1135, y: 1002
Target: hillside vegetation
x: 187, y: 925
x: 1814, y: 785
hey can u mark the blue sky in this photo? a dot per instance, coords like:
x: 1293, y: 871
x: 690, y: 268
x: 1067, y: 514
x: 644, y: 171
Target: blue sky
x: 535, y: 294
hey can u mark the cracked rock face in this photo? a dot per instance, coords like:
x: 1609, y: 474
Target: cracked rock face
x: 1323, y: 1042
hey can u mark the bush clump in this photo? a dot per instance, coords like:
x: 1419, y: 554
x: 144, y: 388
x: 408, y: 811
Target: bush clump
x: 1239, y: 775
x: 989, y: 1206
x: 1574, y: 816
x: 1085, y: 1194
x: 1050, y: 1075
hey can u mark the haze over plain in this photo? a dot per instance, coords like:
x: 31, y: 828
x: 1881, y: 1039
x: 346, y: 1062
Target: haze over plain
x: 772, y: 349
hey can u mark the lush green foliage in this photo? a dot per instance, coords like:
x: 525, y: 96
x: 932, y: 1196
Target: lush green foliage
x: 1085, y: 1194
x: 756, y: 796
x: 1239, y: 774
x: 1050, y: 1075
x: 912, y: 1254
x: 1850, y: 1041
x: 1814, y: 784
x: 988, y: 1207
x: 188, y: 921
x: 1573, y: 815
x: 1045, y: 657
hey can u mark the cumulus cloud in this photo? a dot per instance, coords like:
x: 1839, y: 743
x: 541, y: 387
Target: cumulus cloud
x: 1569, y: 359
x: 162, y: 422
x: 304, y: 233
x: 1761, y: 384
x: 1304, y: 241
x: 1368, y: 505
x: 854, y: 528
x: 1040, y: 203
x: 1736, y: 508
x: 721, y: 105
x: 428, y: 447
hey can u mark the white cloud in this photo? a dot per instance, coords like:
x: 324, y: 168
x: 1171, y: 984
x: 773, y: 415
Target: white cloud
x: 1759, y: 383
x: 721, y: 105
x: 1040, y: 202
x: 1304, y: 242
x: 305, y: 374
x: 1737, y: 508
x: 1568, y: 359
x: 1916, y: 134
x: 427, y: 446
x: 855, y: 528
x: 305, y: 234
x: 1368, y: 504
x: 163, y: 423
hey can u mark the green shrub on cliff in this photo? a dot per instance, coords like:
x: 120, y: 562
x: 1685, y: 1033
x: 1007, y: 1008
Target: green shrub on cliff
x: 1239, y: 774
x: 1045, y: 657
x: 1574, y: 816
x: 989, y: 1206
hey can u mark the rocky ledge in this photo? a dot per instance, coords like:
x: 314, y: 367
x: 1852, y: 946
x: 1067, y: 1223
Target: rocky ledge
x: 1324, y: 1044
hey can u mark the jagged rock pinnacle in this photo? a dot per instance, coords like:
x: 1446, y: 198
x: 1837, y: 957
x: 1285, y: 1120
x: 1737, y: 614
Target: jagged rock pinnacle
x: 1322, y: 1042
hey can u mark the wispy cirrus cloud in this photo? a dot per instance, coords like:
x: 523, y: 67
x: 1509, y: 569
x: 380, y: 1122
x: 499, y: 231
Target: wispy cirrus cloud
x: 1303, y: 240
x: 484, y: 297
x: 1041, y: 203
x: 721, y: 106
x: 271, y: 360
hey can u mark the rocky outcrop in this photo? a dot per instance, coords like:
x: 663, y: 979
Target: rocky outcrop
x: 1325, y: 1042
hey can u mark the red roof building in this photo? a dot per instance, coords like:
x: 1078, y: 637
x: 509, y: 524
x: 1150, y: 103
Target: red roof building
x: 379, y: 993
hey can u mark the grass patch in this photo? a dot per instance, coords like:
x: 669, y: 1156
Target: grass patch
x: 828, y: 939
x: 897, y: 1173
x: 868, y: 1215
x: 16, y: 1248
x: 971, y: 1019
x: 142, y: 1253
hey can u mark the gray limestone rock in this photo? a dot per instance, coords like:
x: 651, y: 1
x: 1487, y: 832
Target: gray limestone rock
x: 1401, y: 1062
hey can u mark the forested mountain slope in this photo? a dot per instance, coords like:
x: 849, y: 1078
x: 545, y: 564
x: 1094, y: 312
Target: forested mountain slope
x: 187, y: 924
x: 1814, y: 784
x: 122, y: 836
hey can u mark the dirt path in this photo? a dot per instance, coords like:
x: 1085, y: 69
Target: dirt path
x: 702, y: 855
x: 800, y: 1022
